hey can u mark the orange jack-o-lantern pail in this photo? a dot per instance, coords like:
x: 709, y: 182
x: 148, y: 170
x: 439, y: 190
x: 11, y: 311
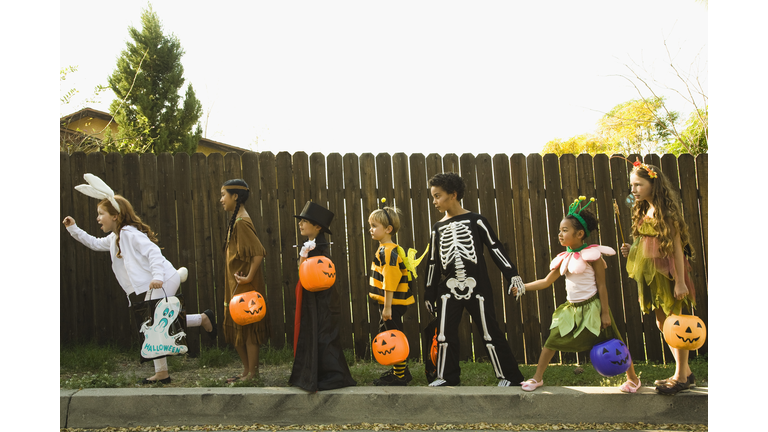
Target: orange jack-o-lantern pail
x: 247, y: 308
x: 317, y: 273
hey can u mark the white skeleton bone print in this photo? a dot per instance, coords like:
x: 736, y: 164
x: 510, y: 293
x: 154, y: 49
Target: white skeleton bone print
x: 457, y: 244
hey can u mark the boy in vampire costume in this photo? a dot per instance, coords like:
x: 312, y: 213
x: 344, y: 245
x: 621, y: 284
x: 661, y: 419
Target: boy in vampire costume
x: 319, y: 362
x: 457, y: 279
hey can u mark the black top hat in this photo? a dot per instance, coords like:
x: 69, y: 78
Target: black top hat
x: 318, y: 215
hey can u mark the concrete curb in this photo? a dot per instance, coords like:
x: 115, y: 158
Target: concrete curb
x: 100, y: 408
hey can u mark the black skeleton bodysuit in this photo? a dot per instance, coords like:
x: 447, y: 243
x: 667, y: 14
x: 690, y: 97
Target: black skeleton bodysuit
x: 457, y: 278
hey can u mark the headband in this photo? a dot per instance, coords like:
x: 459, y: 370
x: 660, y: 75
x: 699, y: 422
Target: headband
x: 389, y: 221
x: 575, y: 211
x: 637, y: 164
x: 96, y: 188
x: 236, y: 187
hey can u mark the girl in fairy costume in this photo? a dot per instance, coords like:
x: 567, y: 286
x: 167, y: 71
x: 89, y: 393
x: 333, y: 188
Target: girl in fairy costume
x: 657, y: 260
x: 585, y: 318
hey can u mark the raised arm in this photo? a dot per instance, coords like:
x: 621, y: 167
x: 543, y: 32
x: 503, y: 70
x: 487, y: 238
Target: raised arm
x: 98, y: 244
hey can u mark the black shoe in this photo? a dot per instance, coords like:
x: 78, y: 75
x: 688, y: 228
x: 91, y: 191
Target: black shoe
x: 391, y: 380
x: 162, y: 381
x: 691, y: 381
x: 213, y: 331
x: 386, y: 375
x: 672, y: 388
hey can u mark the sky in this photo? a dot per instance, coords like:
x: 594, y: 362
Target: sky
x: 401, y: 76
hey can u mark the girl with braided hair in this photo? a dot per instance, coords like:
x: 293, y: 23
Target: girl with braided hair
x: 137, y: 261
x: 658, y: 260
x: 244, y: 255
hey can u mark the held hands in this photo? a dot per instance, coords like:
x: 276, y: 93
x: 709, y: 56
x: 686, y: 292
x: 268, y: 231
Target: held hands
x: 625, y: 249
x: 308, y: 246
x: 516, y: 287
x: 68, y: 221
x: 155, y: 284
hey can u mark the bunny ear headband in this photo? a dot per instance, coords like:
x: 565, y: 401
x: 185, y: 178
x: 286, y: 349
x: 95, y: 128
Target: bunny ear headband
x: 96, y: 188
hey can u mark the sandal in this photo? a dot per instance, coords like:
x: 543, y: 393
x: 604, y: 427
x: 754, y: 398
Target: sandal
x: 531, y: 384
x: 691, y: 381
x: 673, y: 387
x: 630, y: 387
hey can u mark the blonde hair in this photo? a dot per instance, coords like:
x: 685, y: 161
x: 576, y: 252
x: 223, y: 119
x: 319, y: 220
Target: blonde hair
x: 126, y: 217
x: 387, y: 216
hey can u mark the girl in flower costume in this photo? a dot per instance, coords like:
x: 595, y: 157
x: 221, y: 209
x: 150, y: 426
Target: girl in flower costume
x: 585, y: 319
x: 658, y: 260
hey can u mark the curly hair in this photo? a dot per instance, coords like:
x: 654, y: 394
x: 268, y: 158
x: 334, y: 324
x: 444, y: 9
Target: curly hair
x: 667, y: 214
x: 126, y: 217
x: 242, y: 197
x: 449, y: 182
x: 589, y: 219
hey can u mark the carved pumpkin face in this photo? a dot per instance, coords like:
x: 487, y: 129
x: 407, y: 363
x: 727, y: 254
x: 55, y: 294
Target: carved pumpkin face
x: 317, y: 273
x: 610, y: 358
x: 247, y: 308
x: 390, y: 347
x: 685, y: 332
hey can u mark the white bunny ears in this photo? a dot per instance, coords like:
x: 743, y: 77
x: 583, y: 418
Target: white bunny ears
x: 96, y: 188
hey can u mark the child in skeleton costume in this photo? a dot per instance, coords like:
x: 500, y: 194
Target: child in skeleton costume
x: 137, y: 262
x: 319, y: 362
x: 391, y: 273
x: 585, y: 319
x: 457, y: 278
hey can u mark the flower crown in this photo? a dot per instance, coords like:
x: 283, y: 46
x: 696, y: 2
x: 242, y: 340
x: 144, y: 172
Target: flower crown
x: 637, y: 164
x: 575, y: 210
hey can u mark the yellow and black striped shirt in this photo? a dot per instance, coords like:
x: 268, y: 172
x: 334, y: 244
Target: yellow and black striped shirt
x: 388, y: 273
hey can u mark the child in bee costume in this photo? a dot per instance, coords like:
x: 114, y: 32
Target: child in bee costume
x: 457, y: 279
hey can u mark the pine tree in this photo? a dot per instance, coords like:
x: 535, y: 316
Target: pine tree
x: 150, y: 112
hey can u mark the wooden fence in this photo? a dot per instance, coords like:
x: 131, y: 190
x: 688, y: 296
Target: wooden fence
x: 524, y: 199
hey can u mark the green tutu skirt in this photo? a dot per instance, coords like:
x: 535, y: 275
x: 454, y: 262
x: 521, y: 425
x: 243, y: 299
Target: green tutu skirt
x: 576, y: 327
x: 654, y: 275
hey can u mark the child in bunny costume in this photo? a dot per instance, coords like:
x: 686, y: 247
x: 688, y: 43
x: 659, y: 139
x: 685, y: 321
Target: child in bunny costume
x: 137, y: 262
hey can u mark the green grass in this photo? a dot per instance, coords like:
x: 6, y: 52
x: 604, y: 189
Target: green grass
x: 89, y: 358
x: 93, y: 366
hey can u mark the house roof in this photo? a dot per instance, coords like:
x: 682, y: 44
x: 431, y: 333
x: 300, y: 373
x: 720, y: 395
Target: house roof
x: 85, y: 113
x: 221, y: 146
x: 90, y: 112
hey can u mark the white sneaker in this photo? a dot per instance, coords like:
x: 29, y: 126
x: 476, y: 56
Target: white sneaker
x: 438, y: 383
x: 504, y: 383
x: 183, y: 272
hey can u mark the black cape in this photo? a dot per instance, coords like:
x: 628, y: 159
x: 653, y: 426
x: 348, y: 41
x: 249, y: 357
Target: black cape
x: 319, y: 362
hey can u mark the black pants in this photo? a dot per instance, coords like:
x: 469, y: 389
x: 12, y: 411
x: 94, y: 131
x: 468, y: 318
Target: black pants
x: 453, y: 311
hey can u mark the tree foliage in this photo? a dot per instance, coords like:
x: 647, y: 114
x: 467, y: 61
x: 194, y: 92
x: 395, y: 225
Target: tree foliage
x: 637, y: 126
x: 584, y: 143
x: 149, y: 109
x: 693, y: 139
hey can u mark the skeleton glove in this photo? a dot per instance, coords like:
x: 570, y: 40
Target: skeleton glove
x: 308, y: 246
x: 517, y: 282
x: 430, y: 307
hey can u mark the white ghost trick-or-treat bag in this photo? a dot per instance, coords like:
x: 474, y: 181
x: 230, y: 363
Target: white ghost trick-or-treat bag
x: 162, y: 324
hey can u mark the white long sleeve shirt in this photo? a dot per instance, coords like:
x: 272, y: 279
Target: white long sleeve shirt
x: 141, y: 260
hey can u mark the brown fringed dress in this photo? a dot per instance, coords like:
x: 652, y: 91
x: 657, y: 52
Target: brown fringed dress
x: 242, y: 247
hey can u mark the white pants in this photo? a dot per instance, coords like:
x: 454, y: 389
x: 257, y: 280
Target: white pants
x: 170, y: 287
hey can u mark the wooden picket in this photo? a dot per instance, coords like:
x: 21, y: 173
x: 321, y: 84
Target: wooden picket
x: 523, y: 198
